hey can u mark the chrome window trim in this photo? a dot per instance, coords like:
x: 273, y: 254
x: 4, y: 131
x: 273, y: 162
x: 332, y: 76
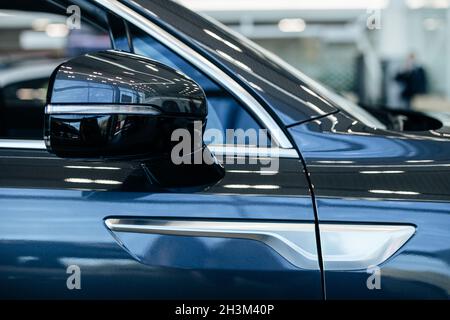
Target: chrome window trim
x: 344, y: 246
x: 278, y: 136
x: 219, y: 150
x: 101, y: 109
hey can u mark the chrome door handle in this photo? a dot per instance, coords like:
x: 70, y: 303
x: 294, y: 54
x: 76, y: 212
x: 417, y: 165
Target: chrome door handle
x: 293, y: 241
x: 344, y: 247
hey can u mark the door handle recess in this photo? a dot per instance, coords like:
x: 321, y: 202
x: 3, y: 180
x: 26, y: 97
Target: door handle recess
x: 344, y: 247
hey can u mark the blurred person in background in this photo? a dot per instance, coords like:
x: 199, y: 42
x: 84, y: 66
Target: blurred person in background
x: 413, y: 80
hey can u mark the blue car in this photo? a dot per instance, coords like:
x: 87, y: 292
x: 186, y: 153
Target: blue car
x: 148, y: 152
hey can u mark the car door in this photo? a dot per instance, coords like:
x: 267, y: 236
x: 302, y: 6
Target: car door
x: 105, y: 229
x: 388, y: 192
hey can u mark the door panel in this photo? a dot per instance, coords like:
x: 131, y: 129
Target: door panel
x: 418, y: 270
x: 53, y: 215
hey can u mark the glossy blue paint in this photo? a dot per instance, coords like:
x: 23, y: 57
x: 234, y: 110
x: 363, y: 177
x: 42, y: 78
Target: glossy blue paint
x: 366, y: 175
x: 43, y: 231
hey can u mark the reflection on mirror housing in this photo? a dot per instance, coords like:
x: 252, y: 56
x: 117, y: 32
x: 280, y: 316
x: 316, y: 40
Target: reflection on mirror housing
x: 117, y: 105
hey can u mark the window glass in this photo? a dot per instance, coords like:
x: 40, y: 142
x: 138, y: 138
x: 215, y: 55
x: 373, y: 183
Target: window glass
x: 32, y: 45
x: 224, y: 111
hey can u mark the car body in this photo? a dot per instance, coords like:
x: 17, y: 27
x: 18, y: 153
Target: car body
x: 352, y: 211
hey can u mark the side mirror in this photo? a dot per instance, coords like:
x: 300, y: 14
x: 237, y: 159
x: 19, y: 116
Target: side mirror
x: 112, y: 104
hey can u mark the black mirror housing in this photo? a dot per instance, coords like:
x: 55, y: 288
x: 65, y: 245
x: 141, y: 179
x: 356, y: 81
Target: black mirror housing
x: 113, y: 104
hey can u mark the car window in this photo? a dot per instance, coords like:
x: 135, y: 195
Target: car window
x: 224, y: 111
x: 34, y: 42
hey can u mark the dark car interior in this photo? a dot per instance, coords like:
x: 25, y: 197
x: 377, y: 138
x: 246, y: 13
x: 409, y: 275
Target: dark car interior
x: 404, y: 120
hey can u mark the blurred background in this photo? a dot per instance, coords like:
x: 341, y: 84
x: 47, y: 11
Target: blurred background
x: 376, y: 52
